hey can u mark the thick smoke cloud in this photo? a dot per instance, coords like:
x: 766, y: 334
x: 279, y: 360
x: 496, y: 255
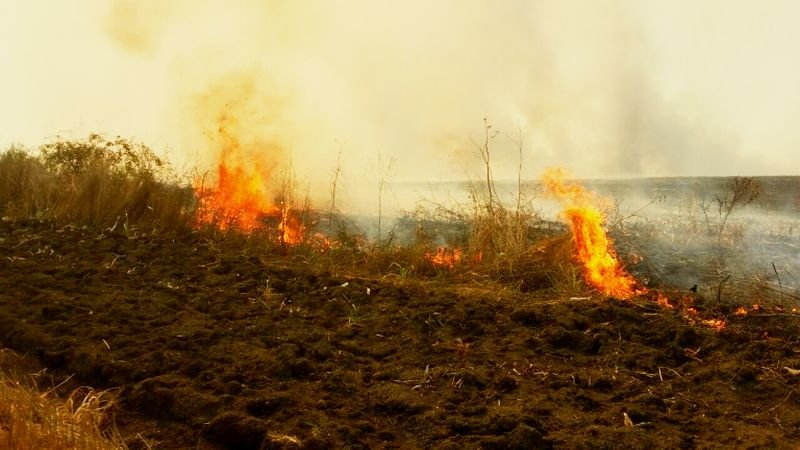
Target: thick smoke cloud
x: 605, y: 88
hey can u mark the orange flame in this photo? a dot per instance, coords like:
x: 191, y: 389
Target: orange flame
x: 239, y: 197
x: 444, y: 257
x: 292, y: 230
x: 238, y: 200
x: 717, y: 324
x: 663, y: 300
x: 594, y: 248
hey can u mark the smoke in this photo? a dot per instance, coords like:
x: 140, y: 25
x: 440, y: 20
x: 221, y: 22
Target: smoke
x: 238, y: 118
x: 606, y: 88
x: 680, y: 232
x: 139, y: 26
x: 413, y: 81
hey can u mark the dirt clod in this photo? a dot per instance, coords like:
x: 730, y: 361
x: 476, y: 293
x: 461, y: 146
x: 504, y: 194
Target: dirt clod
x: 222, y: 344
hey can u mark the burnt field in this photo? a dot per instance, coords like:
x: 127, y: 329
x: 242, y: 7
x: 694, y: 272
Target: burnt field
x: 215, y: 341
x: 527, y: 224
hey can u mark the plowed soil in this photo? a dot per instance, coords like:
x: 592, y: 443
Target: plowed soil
x: 215, y: 344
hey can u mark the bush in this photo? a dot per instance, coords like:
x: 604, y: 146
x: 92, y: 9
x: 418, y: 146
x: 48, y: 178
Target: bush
x: 25, y: 185
x: 94, y: 182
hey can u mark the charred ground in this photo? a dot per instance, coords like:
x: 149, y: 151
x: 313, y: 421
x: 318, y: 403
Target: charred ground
x: 217, y: 342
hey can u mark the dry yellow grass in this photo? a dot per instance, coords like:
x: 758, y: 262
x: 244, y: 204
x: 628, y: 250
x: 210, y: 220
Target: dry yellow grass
x: 34, y: 420
x: 101, y: 183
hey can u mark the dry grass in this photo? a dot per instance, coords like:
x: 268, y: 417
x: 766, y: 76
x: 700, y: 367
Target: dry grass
x: 26, y: 187
x: 32, y: 420
x: 117, y: 185
x: 94, y: 182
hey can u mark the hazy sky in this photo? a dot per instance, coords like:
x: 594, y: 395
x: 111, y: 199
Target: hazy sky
x: 603, y: 88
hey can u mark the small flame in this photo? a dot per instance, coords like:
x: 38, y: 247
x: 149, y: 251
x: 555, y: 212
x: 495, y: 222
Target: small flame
x: 292, y: 230
x: 663, y: 300
x: 444, y: 257
x: 717, y: 324
x: 477, y: 258
x: 594, y: 248
x: 684, y: 305
x: 741, y: 311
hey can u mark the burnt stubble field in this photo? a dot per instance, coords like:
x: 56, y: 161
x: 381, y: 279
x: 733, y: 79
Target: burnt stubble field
x: 214, y: 341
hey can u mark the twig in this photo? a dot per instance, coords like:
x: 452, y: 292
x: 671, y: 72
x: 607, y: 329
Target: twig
x: 719, y: 289
x: 780, y: 285
x: 58, y: 385
x: 782, y: 401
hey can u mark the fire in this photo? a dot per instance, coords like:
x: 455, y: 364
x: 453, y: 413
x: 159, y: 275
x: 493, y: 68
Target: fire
x: 477, y: 257
x: 292, y: 230
x: 444, y: 257
x: 742, y: 311
x: 663, y: 300
x: 594, y: 249
x: 238, y: 199
x: 239, y: 196
x: 717, y: 324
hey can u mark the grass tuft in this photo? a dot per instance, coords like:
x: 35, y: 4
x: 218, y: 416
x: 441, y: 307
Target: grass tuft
x: 30, y: 419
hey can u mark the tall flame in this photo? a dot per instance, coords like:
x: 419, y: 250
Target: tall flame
x: 239, y: 197
x: 594, y: 249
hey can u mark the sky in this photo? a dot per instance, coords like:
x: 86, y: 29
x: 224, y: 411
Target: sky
x: 603, y: 88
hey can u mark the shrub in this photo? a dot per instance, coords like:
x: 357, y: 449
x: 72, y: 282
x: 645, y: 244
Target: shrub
x: 95, y: 182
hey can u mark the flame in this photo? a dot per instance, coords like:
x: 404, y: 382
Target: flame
x: 237, y: 201
x: 239, y: 196
x: 741, y: 311
x: 717, y: 324
x: 292, y: 230
x: 663, y: 300
x: 477, y: 258
x: 444, y: 257
x: 594, y: 249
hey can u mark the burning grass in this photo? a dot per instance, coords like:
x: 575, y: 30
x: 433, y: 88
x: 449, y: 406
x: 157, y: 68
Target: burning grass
x: 594, y: 249
x: 120, y: 186
x: 502, y: 308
